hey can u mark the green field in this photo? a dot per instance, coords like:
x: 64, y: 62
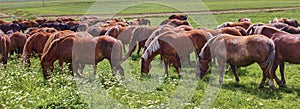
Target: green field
x: 26, y: 88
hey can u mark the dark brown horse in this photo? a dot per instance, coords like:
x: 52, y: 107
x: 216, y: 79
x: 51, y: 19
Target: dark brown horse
x: 238, y: 51
x: 286, y: 45
x: 244, y: 20
x: 291, y: 30
x: 291, y: 22
x: 103, y: 47
x: 4, y: 48
x: 174, y: 48
x: 18, y: 41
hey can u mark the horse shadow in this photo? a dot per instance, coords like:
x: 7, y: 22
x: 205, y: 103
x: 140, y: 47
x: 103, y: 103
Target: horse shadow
x: 263, y: 93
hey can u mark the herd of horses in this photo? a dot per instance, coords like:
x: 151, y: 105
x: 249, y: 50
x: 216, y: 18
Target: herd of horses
x: 89, y: 40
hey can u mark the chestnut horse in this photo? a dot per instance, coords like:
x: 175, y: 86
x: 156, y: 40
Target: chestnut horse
x: 286, y: 45
x: 245, y: 25
x: 34, y: 44
x: 238, y: 51
x: 106, y: 47
x: 4, y: 48
x: 121, y: 33
x: 174, y: 48
x: 139, y: 35
x: 225, y: 30
x: 244, y: 20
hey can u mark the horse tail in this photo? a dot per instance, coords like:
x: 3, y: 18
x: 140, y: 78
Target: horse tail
x: 209, y: 42
x: 26, y: 50
x: 270, y: 60
x: 119, y: 46
x: 50, y: 39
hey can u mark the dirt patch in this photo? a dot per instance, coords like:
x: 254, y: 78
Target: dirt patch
x: 189, y: 13
x: 2, y: 15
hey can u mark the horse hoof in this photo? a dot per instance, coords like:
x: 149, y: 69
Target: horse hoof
x: 261, y: 86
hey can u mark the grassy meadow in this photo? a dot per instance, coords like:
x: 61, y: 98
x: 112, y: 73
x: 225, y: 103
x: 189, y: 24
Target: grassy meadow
x: 26, y: 88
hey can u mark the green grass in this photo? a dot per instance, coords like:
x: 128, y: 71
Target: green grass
x: 26, y: 88
x: 65, y: 7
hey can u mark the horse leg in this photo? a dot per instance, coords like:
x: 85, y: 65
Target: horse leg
x: 139, y: 49
x: 266, y: 74
x: 233, y: 68
x: 124, y: 48
x: 95, y: 69
x: 166, y: 67
x: 177, y: 66
x: 221, y: 63
x: 281, y: 67
x: 129, y: 53
x: 61, y: 64
x: 71, y: 69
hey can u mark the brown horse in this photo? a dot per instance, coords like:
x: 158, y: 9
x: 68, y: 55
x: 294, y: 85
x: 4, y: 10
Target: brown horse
x: 291, y: 30
x: 238, y: 51
x: 245, y: 25
x: 103, y: 47
x: 32, y: 31
x: 174, y: 48
x: 34, y: 44
x: 139, y: 35
x: 121, y: 33
x: 18, y: 41
x: 225, y: 30
x: 244, y: 20
x: 4, y: 48
x: 139, y: 21
x: 286, y: 45
x: 291, y: 22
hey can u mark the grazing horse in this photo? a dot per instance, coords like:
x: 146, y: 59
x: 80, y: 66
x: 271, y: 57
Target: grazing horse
x: 225, y: 30
x: 245, y: 25
x: 139, y: 35
x: 4, y: 48
x: 178, y: 16
x: 291, y: 30
x: 18, y: 41
x: 34, y: 44
x: 2, y: 22
x: 105, y: 47
x: 181, y: 17
x: 286, y: 48
x: 5, y: 27
x: 175, y: 22
x: 139, y: 21
x: 174, y: 48
x: 238, y: 51
x: 291, y: 22
x: 114, y: 31
x: 32, y: 31
x: 244, y: 20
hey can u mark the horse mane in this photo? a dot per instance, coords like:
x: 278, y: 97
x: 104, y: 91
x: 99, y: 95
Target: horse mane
x: 202, y: 53
x: 154, y: 45
x: 224, y: 25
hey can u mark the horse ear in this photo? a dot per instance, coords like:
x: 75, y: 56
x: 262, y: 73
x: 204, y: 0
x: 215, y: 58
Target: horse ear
x: 172, y: 16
